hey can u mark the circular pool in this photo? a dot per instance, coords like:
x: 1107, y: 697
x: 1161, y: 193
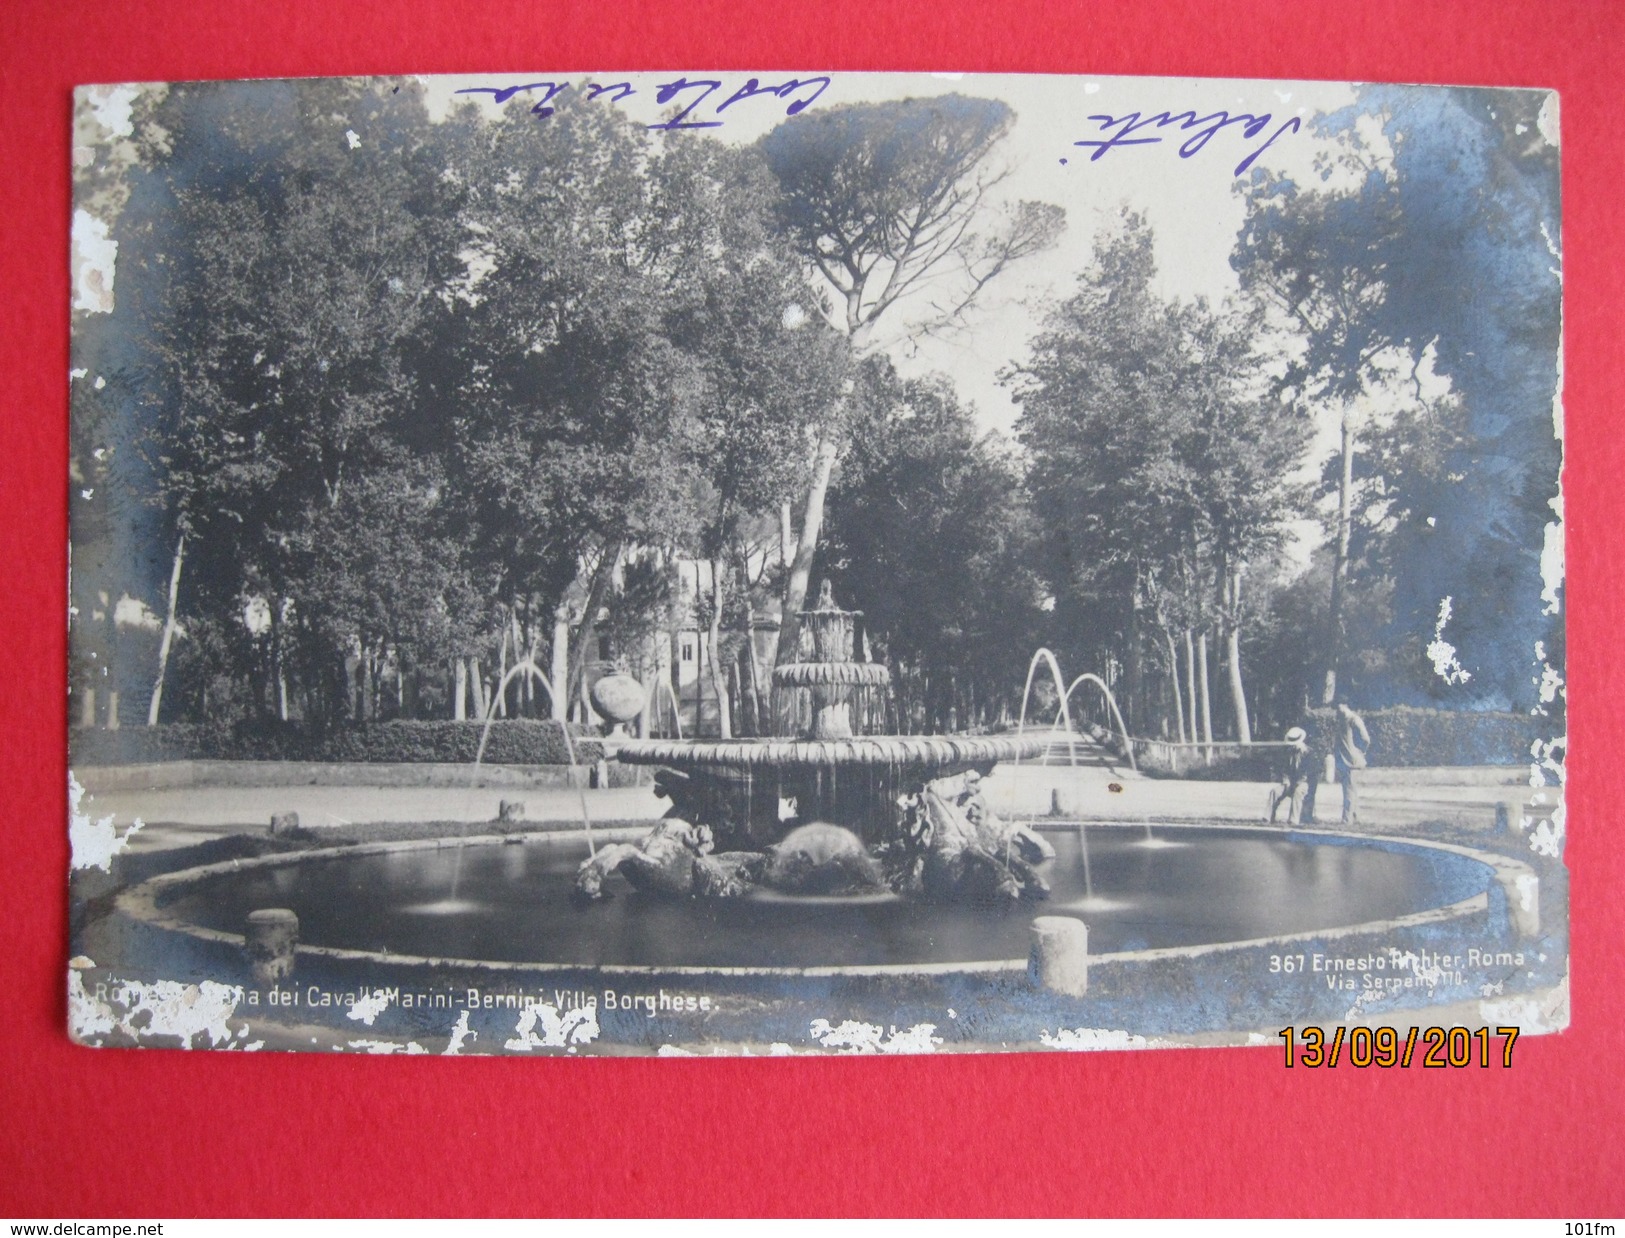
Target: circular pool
x: 508, y: 901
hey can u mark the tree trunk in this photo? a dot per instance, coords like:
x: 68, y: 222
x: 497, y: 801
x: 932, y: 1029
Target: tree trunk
x: 459, y: 690
x: 753, y: 676
x: 795, y: 591
x: 559, y: 669
x: 719, y: 679
x: 368, y: 703
x: 787, y: 536
x: 1207, y: 704
x: 476, y: 688
x: 1133, y: 698
x: 1190, y: 679
x: 524, y: 689
x: 1173, y: 679
x: 589, y: 617
x: 169, y: 632
x: 1244, y: 730
x: 502, y: 674
x: 1340, y: 566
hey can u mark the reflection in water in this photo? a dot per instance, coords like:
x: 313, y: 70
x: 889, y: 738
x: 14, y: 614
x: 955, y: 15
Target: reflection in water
x: 1215, y: 885
x: 442, y: 907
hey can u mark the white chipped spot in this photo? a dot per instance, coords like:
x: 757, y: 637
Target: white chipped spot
x: 1091, y: 88
x: 112, y: 106
x: 93, y: 844
x: 353, y: 138
x: 1547, y: 121
x: 371, y: 1006
x: 852, y: 1036
x: 1527, y: 886
x: 1546, y: 1013
x: 87, y: 1017
x: 674, y: 1051
x: 779, y: 1049
x: 145, y: 1012
x: 460, y: 1033
x: 1547, y: 838
x: 1546, y: 769
x: 1090, y: 1039
x: 1257, y: 1038
x: 576, y: 1026
x: 132, y: 612
x: 94, y: 261
x: 1443, y: 654
x: 385, y: 1047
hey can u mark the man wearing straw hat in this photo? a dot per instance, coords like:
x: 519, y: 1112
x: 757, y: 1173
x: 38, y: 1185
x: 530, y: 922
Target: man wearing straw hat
x: 1295, y: 779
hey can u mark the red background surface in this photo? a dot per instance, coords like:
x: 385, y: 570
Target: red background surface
x: 1161, y: 1133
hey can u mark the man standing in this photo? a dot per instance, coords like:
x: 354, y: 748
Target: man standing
x: 1349, y: 755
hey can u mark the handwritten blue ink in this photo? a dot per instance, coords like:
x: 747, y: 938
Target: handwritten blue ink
x: 1205, y: 126
x: 784, y: 90
x: 671, y: 90
x: 503, y: 94
x: 624, y: 87
x: 802, y: 92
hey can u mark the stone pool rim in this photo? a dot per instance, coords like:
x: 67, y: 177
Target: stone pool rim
x: 144, y: 903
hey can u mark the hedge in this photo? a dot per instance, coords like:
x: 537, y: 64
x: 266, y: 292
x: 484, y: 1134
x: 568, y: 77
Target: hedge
x: 515, y: 742
x: 1400, y: 736
x: 1403, y: 735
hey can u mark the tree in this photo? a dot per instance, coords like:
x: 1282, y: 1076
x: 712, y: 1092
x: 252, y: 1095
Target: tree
x: 286, y: 304
x: 931, y: 538
x: 1440, y: 258
x: 1158, y: 470
x: 1322, y: 259
x: 765, y: 370
x: 883, y: 200
x: 565, y: 391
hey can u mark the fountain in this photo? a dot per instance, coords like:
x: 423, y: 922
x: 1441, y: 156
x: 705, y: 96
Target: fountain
x: 910, y: 802
x: 828, y: 869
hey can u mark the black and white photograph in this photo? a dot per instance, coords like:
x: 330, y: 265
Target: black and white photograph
x: 788, y: 563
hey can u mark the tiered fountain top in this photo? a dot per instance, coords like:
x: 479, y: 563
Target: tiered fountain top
x: 833, y: 663
x: 942, y: 752
x: 830, y: 675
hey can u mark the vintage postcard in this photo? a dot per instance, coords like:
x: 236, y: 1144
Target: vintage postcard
x: 794, y: 562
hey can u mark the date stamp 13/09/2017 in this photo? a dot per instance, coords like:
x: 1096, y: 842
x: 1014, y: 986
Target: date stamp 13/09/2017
x: 1387, y: 1046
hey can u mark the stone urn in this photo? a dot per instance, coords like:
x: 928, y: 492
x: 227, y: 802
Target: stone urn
x: 618, y: 697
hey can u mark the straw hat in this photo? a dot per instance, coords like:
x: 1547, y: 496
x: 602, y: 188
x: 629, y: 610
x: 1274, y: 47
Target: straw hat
x: 1295, y: 735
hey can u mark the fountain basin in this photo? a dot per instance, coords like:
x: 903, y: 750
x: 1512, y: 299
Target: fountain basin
x: 1224, y: 889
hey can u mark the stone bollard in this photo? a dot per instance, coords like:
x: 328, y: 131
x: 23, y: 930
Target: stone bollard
x: 509, y: 811
x: 282, y: 822
x: 1059, y: 960
x: 600, y: 773
x: 270, y: 943
x: 1509, y: 818
x: 1055, y: 801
